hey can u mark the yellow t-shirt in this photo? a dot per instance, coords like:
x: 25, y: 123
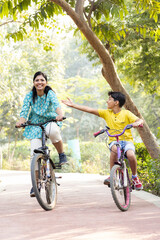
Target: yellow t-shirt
x: 117, y: 122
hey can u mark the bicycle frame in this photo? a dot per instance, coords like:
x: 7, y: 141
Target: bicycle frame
x: 114, y: 135
x: 120, y: 158
x: 119, y: 177
x: 45, y: 186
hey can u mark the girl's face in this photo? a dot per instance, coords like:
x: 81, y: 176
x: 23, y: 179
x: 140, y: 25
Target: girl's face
x: 40, y: 83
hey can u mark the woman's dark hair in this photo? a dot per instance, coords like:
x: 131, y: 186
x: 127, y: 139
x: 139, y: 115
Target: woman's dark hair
x: 47, y: 88
x: 118, y: 96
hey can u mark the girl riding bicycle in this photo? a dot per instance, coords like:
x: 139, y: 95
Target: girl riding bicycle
x: 116, y: 118
x: 41, y: 104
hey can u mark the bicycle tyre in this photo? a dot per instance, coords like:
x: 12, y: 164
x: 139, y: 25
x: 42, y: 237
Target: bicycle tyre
x: 121, y: 195
x: 49, y: 198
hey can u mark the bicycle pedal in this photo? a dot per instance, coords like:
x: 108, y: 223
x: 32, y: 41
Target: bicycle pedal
x: 58, y: 184
x: 133, y: 187
x: 57, y: 166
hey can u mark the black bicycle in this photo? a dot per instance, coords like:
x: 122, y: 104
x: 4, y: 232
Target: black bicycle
x: 42, y: 172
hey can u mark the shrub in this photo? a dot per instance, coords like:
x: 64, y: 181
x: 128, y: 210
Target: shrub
x: 94, y: 157
x: 148, y: 170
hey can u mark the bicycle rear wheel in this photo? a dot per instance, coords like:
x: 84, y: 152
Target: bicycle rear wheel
x: 120, y: 194
x: 45, y: 188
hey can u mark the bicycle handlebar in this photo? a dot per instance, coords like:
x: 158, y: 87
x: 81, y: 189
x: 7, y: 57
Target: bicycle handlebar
x: 115, y: 135
x: 28, y: 123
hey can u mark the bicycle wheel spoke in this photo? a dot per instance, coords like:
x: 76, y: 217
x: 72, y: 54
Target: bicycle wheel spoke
x: 45, y: 187
x: 121, y: 194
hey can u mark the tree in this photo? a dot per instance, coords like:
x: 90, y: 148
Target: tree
x: 108, y: 70
x: 81, y: 15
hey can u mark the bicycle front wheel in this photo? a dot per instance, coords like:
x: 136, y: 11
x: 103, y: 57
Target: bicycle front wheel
x: 45, y: 188
x: 120, y: 194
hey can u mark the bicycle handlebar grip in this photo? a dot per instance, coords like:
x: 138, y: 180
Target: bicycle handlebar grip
x: 99, y: 132
x: 96, y: 134
x: 129, y: 126
x: 22, y: 125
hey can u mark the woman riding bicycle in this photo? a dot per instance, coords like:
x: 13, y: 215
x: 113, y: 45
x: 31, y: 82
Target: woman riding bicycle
x: 117, y: 119
x: 41, y: 104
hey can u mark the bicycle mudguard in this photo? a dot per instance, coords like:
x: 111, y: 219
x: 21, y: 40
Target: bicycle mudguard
x: 52, y: 163
x: 39, y: 150
x: 117, y: 163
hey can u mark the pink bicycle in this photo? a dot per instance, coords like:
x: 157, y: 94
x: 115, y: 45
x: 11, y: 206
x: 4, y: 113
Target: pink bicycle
x: 120, y: 182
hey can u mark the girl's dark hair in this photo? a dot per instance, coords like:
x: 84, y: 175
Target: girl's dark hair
x: 118, y: 96
x: 47, y: 88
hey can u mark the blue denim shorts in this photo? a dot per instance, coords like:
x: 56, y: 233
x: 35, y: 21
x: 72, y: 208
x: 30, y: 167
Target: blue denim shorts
x: 125, y: 145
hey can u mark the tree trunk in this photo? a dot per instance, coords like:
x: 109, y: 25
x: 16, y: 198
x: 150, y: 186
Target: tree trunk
x: 109, y: 71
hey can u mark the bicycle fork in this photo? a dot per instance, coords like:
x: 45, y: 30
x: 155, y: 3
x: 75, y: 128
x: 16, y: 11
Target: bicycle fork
x: 125, y: 174
x: 48, y: 168
x: 123, y: 164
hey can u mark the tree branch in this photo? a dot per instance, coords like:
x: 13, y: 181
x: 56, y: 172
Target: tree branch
x: 10, y: 21
x: 79, y: 8
x: 90, y: 13
x: 97, y: 4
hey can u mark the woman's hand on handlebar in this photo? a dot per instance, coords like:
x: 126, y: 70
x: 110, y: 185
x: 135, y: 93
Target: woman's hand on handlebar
x: 60, y: 118
x: 20, y: 122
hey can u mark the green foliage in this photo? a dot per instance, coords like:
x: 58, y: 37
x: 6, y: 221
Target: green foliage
x: 94, y: 157
x: 107, y: 18
x: 116, y: 23
x: 148, y: 170
x: 129, y: 34
x: 115, y: 32
x: 17, y: 68
x: 137, y: 60
x: 21, y: 158
x: 20, y: 11
x: 153, y: 7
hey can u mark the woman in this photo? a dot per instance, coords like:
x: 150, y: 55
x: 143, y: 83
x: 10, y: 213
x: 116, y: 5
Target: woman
x: 41, y: 104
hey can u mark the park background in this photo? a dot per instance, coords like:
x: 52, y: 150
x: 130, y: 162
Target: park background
x: 56, y: 47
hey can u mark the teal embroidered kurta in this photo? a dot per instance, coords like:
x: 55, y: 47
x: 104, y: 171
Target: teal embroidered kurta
x: 42, y: 110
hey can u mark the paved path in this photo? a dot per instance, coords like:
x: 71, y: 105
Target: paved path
x: 84, y: 211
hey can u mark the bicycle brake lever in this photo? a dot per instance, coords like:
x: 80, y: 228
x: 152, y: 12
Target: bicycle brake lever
x: 129, y: 126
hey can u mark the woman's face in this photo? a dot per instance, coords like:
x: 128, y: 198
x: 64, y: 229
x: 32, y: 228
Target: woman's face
x: 40, y: 83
